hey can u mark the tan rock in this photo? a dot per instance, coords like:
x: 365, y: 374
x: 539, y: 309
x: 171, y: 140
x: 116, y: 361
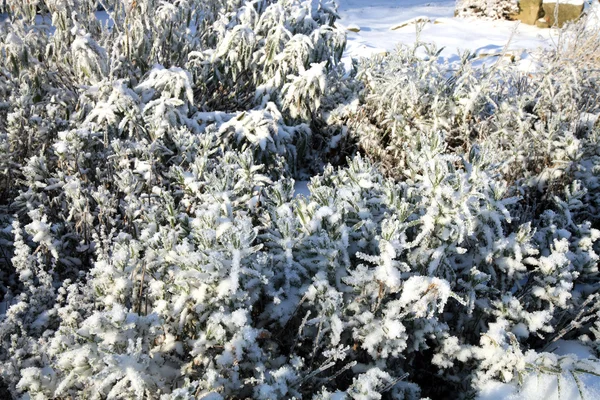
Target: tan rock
x: 412, y: 21
x: 529, y: 11
x: 542, y: 23
x: 566, y: 13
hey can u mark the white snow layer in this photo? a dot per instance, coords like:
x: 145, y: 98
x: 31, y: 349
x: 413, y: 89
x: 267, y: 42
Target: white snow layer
x: 593, y: 17
x: 571, y: 373
x: 376, y: 18
x: 573, y: 2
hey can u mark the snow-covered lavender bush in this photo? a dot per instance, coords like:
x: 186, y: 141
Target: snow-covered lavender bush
x: 535, y: 137
x: 152, y: 247
x: 536, y: 130
x: 492, y: 9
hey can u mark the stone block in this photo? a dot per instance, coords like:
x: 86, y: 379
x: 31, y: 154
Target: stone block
x: 529, y: 11
x: 567, y: 12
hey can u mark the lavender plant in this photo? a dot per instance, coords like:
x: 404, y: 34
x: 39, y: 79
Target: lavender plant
x: 152, y: 245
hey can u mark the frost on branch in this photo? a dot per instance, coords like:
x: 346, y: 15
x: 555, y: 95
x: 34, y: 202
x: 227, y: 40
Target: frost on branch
x: 152, y: 246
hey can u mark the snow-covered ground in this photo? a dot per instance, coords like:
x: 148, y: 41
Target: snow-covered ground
x: 376, y: 18
x: 571, y: 383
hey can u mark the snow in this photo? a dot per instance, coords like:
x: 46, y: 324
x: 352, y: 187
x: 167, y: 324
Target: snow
x: 494, y: 390
x: 421, y: 292
x: 593, y: 19
x: 564, y: 347
x: 377, y: 18
x: 573, y: 2
x: 570, y: 368
x: 544, y: 387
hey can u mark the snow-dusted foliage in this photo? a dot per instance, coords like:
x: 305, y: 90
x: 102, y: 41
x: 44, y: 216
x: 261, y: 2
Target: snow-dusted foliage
x: 152, y: 248
x: 528, y: 145
x: 493, y: 9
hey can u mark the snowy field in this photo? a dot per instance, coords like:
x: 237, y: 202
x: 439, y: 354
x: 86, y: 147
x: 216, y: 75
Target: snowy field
x: 385, y: 23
